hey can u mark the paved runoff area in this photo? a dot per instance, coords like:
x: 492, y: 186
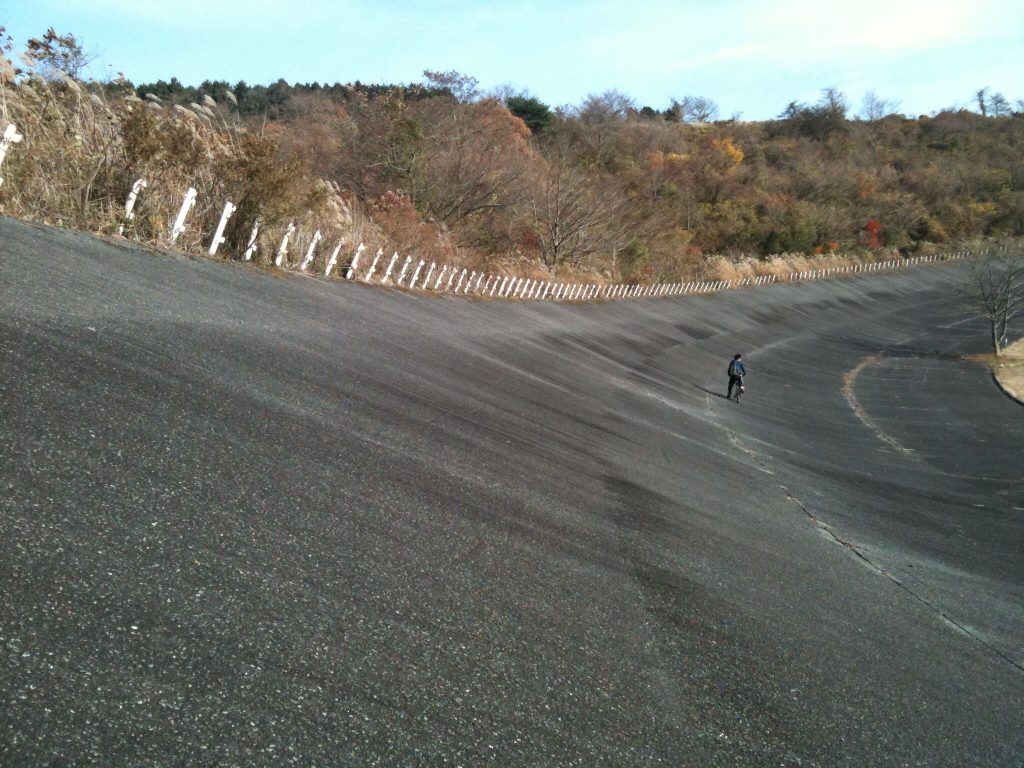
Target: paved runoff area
x: 249, y: 518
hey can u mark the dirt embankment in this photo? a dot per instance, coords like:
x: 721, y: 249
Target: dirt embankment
x: 1009, y: 369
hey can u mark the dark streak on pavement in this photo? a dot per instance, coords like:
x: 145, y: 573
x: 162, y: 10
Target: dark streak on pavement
x: 253, y: 520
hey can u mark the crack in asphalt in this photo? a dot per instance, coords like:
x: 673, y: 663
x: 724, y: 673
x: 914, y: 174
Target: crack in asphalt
x: 851, y: 547
x: 760, y: 462
x: 862, y: 556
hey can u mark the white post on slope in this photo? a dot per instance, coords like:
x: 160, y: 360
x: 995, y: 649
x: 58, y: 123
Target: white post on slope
x: 496, y: 283
x: 250, y: 249
x: 373, y: 265
x: 218, y: 235
x: 333, y: 259
x: 355, y: 262
x: 309, y: 251
x: 282, y: 249
x: 10, y: 136
x: 479, y: 280
x: 186, y: 206
x: 391, y: 267
x: 440, y: 277
x: 451, y: 278
x: 469, y: 282
x: 426, y: 280
x: 416, y: 274
x: 129, y: 204
x: 405, y: 268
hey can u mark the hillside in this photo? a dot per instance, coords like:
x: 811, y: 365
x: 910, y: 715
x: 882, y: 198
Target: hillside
x: 606, y: 189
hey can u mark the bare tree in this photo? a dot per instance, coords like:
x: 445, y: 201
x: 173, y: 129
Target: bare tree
x: 981, y: 97
x: 465, y: 88
x: 875, y: 107
x: 54, y: 53
x: 999, y: 105
x: 475, y: 160
x: 610, y: 105
x: 996, y: 290
x: 574, y: 217
x: 694, y: 109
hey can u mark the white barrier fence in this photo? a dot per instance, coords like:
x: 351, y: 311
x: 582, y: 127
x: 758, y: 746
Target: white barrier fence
x: 472, y: 283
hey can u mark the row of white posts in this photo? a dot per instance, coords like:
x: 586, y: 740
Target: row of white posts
x: 470, y: 282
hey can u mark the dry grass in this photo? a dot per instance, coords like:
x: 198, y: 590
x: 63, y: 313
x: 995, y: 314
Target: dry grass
x: 1009, y: 369
x: 723, y: 268
x: 84, y: 146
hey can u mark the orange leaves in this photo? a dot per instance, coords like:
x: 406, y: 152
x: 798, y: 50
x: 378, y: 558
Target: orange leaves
x: 874, y: 233
x: 728, y: 150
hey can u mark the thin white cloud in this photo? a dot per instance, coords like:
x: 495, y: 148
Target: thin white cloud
x: 870, y: 25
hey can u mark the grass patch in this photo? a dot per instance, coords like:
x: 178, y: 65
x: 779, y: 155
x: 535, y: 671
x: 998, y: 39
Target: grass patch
x: 1009, y: 369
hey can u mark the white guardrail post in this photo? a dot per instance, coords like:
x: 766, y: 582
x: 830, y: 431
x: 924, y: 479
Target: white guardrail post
x: 373, y: 265
x: 333, y: 259
x: 10, y: 136
x: 391, y: 266
x: 218, y: 235
x: 355, y: 262
x: 440, y: 277
x: 129, y: 204
x: 282, y: 250
x: 186, y: 206
x: 250, y: 249
x: 416, y: 273
x: 405, y: 268
x: 317, y: 237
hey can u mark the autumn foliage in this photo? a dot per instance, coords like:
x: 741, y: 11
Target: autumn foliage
x: 501, y: 180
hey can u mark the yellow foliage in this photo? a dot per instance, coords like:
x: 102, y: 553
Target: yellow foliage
x: 727, y: 148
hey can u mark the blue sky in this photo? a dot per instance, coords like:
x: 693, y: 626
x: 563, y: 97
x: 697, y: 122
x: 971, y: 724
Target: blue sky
x: 752, y: 57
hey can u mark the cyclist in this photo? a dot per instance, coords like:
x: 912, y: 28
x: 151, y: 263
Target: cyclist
x: 736, y: 373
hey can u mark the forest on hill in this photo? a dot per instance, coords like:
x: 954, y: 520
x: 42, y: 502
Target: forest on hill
x: 438, y: 168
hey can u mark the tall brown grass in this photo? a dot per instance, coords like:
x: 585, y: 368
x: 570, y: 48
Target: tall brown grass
x: 85, y: 145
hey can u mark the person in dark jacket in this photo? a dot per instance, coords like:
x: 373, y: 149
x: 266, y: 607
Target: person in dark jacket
x: 736, y: 373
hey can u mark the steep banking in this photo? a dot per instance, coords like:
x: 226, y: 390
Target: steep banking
x: 254, y: 517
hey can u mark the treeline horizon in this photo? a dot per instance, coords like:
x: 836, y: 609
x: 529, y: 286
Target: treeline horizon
x: 270, y: 99
x: 605, y: 186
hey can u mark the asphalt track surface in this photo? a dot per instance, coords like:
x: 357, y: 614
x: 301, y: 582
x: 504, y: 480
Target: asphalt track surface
x: 252, y: 519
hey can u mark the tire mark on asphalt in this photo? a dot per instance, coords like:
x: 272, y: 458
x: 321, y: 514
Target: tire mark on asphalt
x: 849, y: 379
